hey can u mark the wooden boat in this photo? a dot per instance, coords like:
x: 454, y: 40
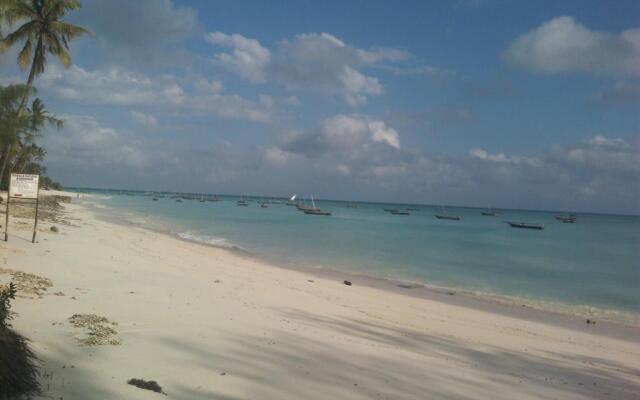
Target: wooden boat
x: 490, y: 213
x: 449, y: 217
x: 567, y: 219
x: 314, y: 210
x: 443, y: 215
x: 525, y: 225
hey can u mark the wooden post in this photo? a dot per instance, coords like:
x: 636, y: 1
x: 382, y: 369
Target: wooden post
x: 6, y: 219
x: 35, y: 223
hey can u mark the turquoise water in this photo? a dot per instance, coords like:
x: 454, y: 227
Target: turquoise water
x: 594, y: 262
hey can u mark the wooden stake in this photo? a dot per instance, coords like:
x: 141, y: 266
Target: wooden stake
x: 35, y: 223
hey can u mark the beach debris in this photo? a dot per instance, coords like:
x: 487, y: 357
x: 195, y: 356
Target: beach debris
x: 28, y: 284
x: 216, y: 281
x: 54, y: 229
x: 99, y: 330
x: 310, y: 280
x: 148, y: 385
x: 348, y: 283
x: 591, y: 322
x: 451, y: 293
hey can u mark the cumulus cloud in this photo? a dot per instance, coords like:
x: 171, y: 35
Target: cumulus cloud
x: 85, y: 142
x: 121, y: 87
x: 620, y: 93
x: 248, y: 59
x: 146, y: 120
x: 342, y: 133
x: 316, y: 62
x: 563, y: 45
x: 138, y: 32
x: 110, y: 86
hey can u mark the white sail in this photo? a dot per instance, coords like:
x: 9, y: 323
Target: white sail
x: 293, y: 197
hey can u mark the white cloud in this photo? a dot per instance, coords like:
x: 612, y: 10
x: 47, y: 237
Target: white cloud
x: 110, y: 86
x: 121, y: 87
x: 85, y: 142
x: 620, y: 93
x: 276, y: 157
x: 146, y: 120
x: 562, y: 45
x: 248, y: 59
x: 310, y: 62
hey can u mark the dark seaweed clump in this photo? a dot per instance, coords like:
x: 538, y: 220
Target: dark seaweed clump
x: 148, y: 385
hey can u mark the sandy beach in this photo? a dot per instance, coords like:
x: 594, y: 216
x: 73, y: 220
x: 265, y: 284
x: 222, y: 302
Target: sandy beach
x: 207, y: 323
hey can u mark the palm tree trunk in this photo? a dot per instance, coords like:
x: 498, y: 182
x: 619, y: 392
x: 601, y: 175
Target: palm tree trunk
x: 23, y: 105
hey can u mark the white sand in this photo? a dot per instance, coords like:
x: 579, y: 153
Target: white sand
x: 264, y: 332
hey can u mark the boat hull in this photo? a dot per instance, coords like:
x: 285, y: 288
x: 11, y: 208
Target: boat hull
x: 448, y: 217
x: 524, y: 225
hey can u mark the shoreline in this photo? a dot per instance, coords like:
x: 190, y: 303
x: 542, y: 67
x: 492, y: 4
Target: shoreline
x: 569, y: 315
x: 207, y: 323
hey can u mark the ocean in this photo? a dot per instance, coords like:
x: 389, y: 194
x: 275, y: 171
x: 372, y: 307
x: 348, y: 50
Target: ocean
x: 592, y: 264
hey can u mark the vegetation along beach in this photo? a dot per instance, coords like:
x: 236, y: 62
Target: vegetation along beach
x: 286, y: 200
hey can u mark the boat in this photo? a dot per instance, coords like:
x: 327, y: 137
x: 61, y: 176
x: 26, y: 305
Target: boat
x: 155, y: 199
x: 390, y: 210
x: 400, y: 213
x: 567, y: 219
x: 526, y: 225
x: 202, y: 198
x: 178, y: 200
x: 443, y: 215
x: 314, y: 210
x: 490, y: 213
x: 292, y: 201
x: 449, y: 217
x: 242, y: 202
x: 352, y: 205
x: 411, y: 209
x: 264, y: 203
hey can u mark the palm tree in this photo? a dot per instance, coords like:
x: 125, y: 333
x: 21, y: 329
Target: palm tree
x: 43, y: 32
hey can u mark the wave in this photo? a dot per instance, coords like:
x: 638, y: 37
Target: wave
x: 208, y: 240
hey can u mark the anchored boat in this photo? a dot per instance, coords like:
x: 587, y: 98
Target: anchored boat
x: 526, y: 225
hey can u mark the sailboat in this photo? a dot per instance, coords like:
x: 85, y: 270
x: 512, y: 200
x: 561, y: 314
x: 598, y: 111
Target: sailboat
x: 443, y: 215
x: 264, y: 203
x: 315, y: 210
x: 567, y: 219
x: 242, y: 202
x: 292, y: 201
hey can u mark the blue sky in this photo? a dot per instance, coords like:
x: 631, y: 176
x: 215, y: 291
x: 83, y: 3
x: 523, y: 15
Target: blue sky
x: 514, y: 104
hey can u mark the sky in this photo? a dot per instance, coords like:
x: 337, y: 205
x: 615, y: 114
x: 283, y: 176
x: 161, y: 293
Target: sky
x: 464, y: 102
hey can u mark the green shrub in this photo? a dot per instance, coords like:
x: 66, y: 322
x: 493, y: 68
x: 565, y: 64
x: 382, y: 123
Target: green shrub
x: 6, y: 295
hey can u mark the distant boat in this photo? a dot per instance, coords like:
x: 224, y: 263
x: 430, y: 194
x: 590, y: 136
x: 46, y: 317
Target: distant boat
x: 202, y: 198
x: 490, y: 213
x: 400, y: 212
x: 292, y: 201
x: 155, y: 199
x: 178, y: 200
x: 264, y: 203
x: 315, y: 210
x: 352, y: 205
x: 526, y: 225
x: 443, y: 215
x: 242, y: 203
x: 391, y: 210
x: 567, y: 219
x: 411, y: 209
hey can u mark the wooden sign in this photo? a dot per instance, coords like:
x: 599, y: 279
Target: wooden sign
x: 24, y: 186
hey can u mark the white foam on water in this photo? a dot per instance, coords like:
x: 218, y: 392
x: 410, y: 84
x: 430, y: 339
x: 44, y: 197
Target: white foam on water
x: 206, y: 239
